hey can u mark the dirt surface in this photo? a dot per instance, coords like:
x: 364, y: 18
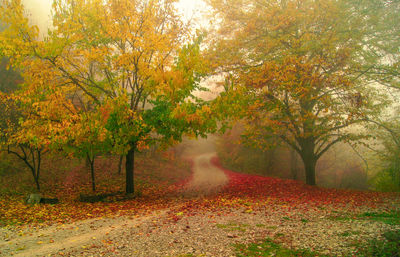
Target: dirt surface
x: 63, y: 238
x: 204, y: 233
x: 59, y: 238
x: 206, y: 178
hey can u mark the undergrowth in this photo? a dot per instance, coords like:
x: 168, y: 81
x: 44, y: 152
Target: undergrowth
x: 156, y: 178
x: 269, y: 248
x: 388, y: 246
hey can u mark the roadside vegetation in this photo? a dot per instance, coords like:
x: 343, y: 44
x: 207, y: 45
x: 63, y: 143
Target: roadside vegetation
x: 159, y: 177
x: 306, y: 115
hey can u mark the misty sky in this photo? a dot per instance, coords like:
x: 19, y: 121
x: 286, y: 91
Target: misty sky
x: 191, y: 9
x: 40, y: 10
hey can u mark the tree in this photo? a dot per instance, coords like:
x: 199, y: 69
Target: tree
x: 33, y: 120
x: 382, y: 42
x: 12, y: 137
x: 125, y: 57
x: 88, y: 138
x: 292, y: 64
x: 10, y: 126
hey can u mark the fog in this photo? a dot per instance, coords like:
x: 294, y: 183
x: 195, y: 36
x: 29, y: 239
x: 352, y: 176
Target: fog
x: 40, y: 12
x: 340, y: 167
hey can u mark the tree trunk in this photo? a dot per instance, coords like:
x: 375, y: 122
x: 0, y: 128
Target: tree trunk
x: 309, y: 158
x: 37, y: 183
x: 91, y: 164
x: 30, y: 160
x: 39, y: 160
x: 309, y: 166
x: 129, y: 168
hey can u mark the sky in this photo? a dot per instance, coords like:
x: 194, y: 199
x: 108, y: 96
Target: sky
x: 190, y: 9
x: 40, y: 10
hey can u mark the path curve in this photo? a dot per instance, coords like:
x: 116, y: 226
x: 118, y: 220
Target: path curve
x: 66, y: 237
x: 207, y: 178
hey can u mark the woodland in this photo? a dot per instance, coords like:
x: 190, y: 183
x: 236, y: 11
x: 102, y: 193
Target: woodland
x: 99, y: 111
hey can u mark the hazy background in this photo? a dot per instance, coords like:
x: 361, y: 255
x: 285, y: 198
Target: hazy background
x: 40, y: 11
x: 340, y: 167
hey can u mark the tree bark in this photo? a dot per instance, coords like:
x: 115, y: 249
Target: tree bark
x: 36, y: 178
x: 129, y: 168
x: 90, y: 161
x: 39, y: 160
x: 32, y: 162
x: 309, y: 166
x: 309, y: 158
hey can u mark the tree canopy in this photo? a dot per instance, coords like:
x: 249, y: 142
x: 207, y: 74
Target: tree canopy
x: 297, y: 65
x: 133, y: 61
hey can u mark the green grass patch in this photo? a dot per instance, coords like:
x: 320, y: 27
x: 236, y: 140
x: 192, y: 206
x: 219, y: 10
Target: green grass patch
x: 391, y: 218
x: 388, y: 247
x: 233, y: 227
x: 269, y: 248
x: 304, y: 221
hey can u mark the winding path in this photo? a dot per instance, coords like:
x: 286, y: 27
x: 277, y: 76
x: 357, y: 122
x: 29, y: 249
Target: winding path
x: 206, y: 178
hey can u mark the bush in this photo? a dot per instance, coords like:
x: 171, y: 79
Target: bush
x: 388, y: 247
x: 387, y: 180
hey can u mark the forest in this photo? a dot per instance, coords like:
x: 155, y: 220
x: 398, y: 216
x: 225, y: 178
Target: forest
x: 266, y: 124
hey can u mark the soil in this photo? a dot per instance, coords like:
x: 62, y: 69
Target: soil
x: 206, y: 178
x: 204, y: 234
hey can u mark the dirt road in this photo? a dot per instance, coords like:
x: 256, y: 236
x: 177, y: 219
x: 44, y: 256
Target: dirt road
x: 57, y: 239
x: 206, y: 178
x: 203, y: 233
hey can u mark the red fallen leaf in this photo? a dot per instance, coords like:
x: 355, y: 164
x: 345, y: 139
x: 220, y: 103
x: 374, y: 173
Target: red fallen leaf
x: 248, y: 192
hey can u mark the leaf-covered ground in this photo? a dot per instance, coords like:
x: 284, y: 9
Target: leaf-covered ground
x: 157, y: 179
x: 249, y: 212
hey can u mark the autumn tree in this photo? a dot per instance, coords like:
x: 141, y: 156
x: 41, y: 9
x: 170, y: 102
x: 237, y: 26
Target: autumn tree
x: 36, y: 118
x: 11, y: 122
x: 126, y: 58
x: 88, y: 138
x: 291, y: 65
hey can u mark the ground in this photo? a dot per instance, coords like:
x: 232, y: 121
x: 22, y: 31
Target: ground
x: 215, y: 212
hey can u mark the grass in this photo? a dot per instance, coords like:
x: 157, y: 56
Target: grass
x: 269, y: 248
x: 304, y: 221
x: 388, y: 247
x: 233, y: 227
x: 390, y: 218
